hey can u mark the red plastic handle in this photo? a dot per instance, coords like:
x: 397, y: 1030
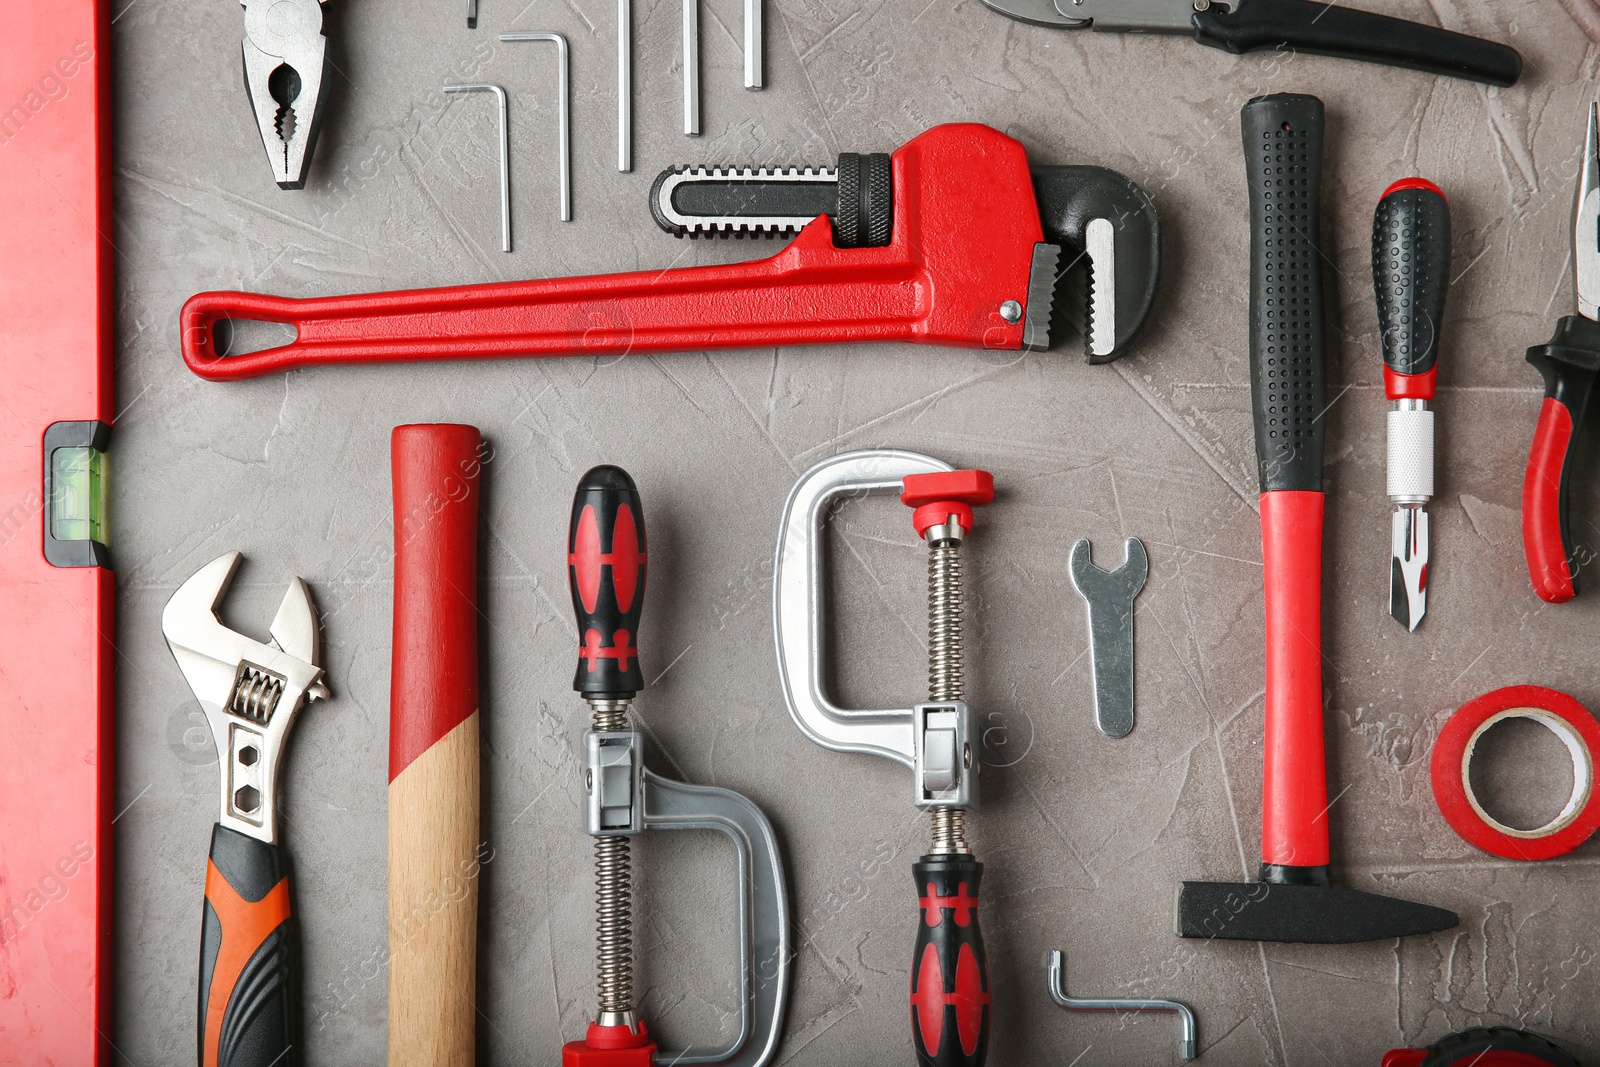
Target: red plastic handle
x: 1294, y: 811
x: 966, y: 222
x: 1543, y: 486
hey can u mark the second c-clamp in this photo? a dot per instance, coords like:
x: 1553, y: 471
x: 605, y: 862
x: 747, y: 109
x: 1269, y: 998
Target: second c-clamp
x: 606, y: 557
x: 937, y: 740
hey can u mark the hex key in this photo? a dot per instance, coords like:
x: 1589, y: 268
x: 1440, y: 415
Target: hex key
x: 563, y: 115
x: 505, y: 157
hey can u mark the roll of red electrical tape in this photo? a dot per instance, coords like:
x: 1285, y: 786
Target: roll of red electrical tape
x: 1452, y: 762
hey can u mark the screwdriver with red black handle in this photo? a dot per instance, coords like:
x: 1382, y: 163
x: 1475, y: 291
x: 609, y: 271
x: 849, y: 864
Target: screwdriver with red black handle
x: 1410, y: 272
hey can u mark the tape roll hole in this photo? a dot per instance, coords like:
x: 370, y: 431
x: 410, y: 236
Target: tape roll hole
x: 1513, y: 763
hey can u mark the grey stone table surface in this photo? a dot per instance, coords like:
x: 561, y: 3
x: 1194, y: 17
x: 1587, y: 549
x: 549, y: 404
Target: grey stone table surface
x: 1085, y: 838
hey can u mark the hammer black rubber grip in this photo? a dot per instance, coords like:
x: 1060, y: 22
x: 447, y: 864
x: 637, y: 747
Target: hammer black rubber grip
x: 606, y: 566
x: 950, y: 1007
x: 1283, y: 161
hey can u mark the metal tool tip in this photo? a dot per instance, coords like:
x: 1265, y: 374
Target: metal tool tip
x: 1408, y: 567
x: 1587, y: 222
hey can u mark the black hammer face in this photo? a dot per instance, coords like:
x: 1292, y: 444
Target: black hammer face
x: 1301, y: 914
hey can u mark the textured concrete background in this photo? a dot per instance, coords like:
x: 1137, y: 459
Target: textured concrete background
x: 1085, y: 838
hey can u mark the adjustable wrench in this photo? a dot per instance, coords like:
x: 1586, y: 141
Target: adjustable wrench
x: 1110, y: 596
x: 250, y: 693
x: 976, y: 244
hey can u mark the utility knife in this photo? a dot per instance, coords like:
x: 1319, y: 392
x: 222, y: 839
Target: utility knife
x: 1311, y: 26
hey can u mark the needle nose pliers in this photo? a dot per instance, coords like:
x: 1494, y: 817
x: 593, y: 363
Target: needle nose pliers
x: 1570, y: 364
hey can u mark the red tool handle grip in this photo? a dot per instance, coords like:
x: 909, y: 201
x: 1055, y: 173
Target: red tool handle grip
x: 950, y: 1007
x: 248, y: 995
x: 1294, y: 810
x: 1545, y: 538
x: 793, y: 298
x: 1570, y: 364
x: 606, y: 564
x: 434, y: 675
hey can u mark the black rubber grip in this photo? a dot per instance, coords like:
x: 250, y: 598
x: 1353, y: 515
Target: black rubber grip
x: 1410, y: 273
x: 1479, y: 1045
x: 950, y: 1007
x: 1283, y: 161
x: 1321, y: 28
x: 606, y: 567
x: 249, y: 1000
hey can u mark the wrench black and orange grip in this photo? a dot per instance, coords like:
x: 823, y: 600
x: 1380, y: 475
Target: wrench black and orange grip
x: 248, y: 998
x: 1410, y: 273
x: 1569, y: 364
x: 606, y: 566
x: 950, y: 1006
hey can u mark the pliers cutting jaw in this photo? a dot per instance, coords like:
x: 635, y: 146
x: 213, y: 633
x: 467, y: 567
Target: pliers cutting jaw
x: 1570, y: 364
x: 286, y: 66
x: 249, y: 691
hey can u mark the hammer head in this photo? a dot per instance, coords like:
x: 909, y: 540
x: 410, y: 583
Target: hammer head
x: 1301, y: 914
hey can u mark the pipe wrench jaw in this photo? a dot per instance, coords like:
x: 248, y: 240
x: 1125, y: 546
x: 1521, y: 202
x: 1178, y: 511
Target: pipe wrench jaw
x: 1110, y: 236
x: 250, y: 691
x: 286, y: 66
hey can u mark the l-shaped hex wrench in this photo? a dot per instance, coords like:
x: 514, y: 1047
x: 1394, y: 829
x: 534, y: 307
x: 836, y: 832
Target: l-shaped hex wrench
x: 563, y: 112
x: 977, y: 241
x: 505, y: 156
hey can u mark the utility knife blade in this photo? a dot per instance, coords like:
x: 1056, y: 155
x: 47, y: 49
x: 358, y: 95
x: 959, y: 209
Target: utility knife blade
x: 1038, y: 12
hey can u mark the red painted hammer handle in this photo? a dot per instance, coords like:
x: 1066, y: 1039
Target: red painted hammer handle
x: 433, y: 748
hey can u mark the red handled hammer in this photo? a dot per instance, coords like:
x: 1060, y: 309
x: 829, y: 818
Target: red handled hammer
x: 434, y: 852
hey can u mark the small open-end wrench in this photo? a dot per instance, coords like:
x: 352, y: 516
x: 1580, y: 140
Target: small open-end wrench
x: 976, y: 243
x: 250, y: 693
x: 1110, y: 596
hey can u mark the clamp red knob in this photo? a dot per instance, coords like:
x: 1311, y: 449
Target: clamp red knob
x: 938, y: 498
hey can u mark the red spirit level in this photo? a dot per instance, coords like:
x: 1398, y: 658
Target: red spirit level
x: 55, y: 576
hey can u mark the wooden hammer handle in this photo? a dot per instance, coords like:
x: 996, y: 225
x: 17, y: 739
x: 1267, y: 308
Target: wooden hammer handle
x: 433, y: 748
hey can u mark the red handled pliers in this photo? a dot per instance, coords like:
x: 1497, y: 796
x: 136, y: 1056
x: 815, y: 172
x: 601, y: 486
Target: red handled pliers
x: 1570, y: 364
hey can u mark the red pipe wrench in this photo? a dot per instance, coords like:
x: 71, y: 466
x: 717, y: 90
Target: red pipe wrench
x: 978, y: 242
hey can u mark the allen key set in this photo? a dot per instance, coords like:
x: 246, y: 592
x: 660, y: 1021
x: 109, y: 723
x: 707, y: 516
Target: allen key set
x: 962, y: 239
